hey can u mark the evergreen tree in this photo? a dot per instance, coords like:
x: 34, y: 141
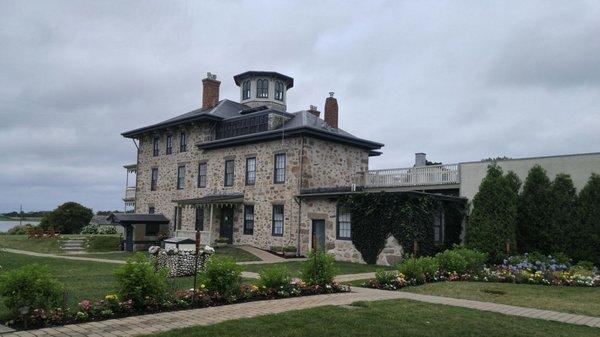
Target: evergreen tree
x: 493, y: 218
x: 514, y: 181
x: 534, y: 214
x: 564, y: 213
x: 586, y: 245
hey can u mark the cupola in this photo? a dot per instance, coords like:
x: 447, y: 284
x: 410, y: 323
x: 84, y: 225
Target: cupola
x: 268, y: 88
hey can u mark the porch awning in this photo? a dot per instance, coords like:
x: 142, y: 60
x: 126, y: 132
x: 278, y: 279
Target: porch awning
x: 132, y: 218
x: 215, y: 199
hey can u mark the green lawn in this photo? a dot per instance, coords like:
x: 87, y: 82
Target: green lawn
x: 22, y: 242
x: 239, y: 255
x: 387, y: 318
x: 576, y: 300
x: 120, y: 255
x: 343, y: 267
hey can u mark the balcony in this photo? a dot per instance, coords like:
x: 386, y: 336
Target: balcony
x: 129, y: 193
x: 421, y: 176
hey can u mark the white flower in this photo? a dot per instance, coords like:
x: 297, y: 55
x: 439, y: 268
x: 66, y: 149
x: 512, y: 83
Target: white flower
x: 208, y: 249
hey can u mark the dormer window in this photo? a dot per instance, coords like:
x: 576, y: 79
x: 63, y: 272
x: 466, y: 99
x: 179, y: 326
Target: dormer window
x: 279, y: 91
x: 262, y: 88
x: 246, y: 89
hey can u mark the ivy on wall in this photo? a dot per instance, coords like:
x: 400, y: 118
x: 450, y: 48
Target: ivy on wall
x: 406, y: 216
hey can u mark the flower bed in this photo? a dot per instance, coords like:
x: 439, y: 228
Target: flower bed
x: 524, y: 269
x: 112, y: 307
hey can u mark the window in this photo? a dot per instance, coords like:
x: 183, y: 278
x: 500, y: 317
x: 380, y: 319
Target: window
x: 248, y: 219
x: 199, y: 219
x: 182, y: 142
x: 177, y: 218
x: 279, y: 171
x: 150, y: 209
x: 279, y: 91
x: 153, y: 179
x: 438, y: 228
x: 155, y: 146
x: 277, y: 220
x: 250, y: 171
x: 344, y: 223
x: 229, y: 173
x: 152, y: 229
x: 262, y: 89
x: 202, y: 175
x: 180, y: 177
x: 169, y: 144
x: 246, y: 89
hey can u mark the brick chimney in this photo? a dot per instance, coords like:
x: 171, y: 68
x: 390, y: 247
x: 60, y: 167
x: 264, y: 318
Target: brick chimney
x: 313, y: 110
x: 331, y: 111
x: 210, y: 91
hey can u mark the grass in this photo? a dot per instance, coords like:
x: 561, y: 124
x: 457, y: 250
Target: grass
x: 120, y: 255
x: 239, y: 255
x: 387, y: 318
x: 576, y: 300
x: 22, y: 242
x: 343, y: 267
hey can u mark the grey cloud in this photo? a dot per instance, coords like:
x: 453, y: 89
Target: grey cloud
x: 458, y: 80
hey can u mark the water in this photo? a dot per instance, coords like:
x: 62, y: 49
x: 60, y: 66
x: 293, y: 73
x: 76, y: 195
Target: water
x: 8, y: 224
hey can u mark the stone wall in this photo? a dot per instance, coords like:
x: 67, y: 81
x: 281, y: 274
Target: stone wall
x: 324, y: 164
x: 181, y: 263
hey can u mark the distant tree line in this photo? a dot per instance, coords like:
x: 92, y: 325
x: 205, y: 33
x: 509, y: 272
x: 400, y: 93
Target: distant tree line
x: 31, y: 214
x: 544, y: 216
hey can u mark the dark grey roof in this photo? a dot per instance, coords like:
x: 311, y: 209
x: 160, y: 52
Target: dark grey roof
x: 100, y: 220
x: 289, y: 82
x: 223, y: 110
x: 301, y: 122
x: 214, y: 198
x: 132, y: 218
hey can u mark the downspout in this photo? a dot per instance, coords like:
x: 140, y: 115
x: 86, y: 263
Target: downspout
x: 298, y: 200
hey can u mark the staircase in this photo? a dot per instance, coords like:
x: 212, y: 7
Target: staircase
x: 73, y: 246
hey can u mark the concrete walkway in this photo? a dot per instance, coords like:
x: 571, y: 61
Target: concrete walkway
x: 78, y: 258
x: 147, y: 324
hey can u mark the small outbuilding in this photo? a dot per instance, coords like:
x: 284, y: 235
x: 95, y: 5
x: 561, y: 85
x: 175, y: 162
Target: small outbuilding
x: 180, y: 244
x: 141, y: 230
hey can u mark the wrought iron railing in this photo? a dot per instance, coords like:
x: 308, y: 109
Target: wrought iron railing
x: 412, y: 176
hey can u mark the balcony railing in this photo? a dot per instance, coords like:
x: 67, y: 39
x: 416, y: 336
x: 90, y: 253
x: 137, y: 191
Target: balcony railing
x: 413, y: 176
x: 129, y: 193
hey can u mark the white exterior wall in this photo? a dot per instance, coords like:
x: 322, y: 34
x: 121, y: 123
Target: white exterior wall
x: 578, y: 166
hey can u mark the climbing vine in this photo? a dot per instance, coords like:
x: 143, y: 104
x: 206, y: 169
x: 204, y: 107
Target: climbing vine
x: 409, y: 218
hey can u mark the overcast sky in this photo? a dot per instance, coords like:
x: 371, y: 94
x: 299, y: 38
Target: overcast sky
x: 458, y: 80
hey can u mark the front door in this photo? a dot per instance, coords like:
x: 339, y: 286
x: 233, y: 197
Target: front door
x: 129, y: 238
x: 318, y: 235
x: 226, y: 226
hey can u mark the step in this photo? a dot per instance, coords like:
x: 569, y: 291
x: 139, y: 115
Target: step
x: 70, y: 244
x: 73, y: 248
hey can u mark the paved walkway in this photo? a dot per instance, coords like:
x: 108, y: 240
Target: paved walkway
x: 79, y: 258
x: 147, y: 324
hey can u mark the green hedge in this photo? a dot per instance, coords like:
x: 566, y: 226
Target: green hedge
x: 408, y: 217
x: 103, y: 243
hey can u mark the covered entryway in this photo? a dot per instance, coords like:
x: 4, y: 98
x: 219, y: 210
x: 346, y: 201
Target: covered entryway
x: 130, y: 221
x: 211, y: 211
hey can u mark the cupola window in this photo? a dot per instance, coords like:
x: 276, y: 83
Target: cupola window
x: 262, y: 88
x: 279, y: 91
x: 246, y: 89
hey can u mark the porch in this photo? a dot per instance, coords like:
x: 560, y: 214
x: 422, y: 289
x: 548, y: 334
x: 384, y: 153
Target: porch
x: 213, y: 217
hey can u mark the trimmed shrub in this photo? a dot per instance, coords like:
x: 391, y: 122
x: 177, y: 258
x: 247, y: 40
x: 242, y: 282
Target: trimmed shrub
x: 139, y: 282
x: 30, y: 286
x: 275, y: 277
x: 493, y: 220
x: 586, y: 239
x: 451, y: 261
x: 221, y: 275
x: 21, y: 229
x: 475, y: 260
x: 103, y: 243
x: 318, y: 269
x: 96, y: 229
x: 420, y: 269
x: 534, y: 213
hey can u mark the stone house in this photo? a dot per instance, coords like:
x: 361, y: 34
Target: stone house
x: 247, y: 171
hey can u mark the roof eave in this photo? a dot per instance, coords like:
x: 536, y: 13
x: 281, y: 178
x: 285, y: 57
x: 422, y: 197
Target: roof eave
x: 159, y: 126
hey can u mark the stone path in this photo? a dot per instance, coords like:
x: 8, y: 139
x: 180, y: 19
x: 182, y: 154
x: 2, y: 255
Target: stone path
x: 73, y: 246
x: 152, y: 323
x: 266, y: 257
x: 78, y: 258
